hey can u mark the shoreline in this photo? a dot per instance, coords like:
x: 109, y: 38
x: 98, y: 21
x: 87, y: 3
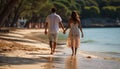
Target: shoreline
x: 43, y: 60
x: 101, y: 26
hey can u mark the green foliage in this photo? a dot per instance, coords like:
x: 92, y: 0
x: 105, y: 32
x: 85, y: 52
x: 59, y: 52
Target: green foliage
x: 45, y: 10
x: 95, y: 11
x: 63, y: 11
x: 118, y: 12
x: 92, y: 11
x: 86, y: 8
x: 91, y: 3
x: 38, y: 8
x: 109, y: 11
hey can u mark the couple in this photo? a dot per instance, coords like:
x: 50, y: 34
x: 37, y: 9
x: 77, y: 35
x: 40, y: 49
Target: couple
x: 53, y: 21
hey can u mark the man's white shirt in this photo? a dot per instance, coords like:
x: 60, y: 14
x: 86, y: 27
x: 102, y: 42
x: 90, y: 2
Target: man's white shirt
x: 53, y: 22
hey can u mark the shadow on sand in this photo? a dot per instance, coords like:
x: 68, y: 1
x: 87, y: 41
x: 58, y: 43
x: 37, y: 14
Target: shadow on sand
x: 4, y: 60
x: 49, y: 61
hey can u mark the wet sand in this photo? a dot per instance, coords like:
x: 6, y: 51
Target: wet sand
x: 41, y: 59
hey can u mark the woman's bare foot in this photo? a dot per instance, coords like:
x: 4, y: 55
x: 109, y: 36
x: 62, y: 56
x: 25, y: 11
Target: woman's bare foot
x: 72, y: 54
x: 51, y: 52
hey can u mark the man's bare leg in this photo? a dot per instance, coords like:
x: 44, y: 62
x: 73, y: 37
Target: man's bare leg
x: 72, y: 51
x: 50, y: 43
x: 54, y: 46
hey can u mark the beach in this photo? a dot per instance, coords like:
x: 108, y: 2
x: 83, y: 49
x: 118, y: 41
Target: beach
x: 21, y: 49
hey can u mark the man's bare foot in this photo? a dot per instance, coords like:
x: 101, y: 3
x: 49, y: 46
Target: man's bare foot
x: 51, y: 52
x: 72, y: 54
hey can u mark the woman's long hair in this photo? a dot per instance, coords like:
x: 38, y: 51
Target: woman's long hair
x: 75, y: 16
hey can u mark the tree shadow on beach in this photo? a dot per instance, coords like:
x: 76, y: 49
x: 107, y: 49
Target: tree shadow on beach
x: 19, y: 61
x: 5, y: 35
x: 16, y: 33
x: 5, y: 60
x: 17, y: 40
x: 14, y: 38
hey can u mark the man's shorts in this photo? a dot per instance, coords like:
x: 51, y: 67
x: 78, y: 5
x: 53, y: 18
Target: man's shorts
x: 53, y: 37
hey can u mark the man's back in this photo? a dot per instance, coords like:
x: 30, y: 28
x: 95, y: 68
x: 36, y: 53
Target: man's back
x: 53, y: 22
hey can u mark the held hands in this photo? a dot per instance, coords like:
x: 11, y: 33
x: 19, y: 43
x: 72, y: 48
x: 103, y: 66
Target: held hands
x: 64, y: 31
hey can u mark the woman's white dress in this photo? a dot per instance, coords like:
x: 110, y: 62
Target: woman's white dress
x: 73, y: 39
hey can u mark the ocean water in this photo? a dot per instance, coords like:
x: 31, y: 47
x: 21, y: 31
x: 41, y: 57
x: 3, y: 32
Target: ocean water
x: 101, y: 40
x: 95, y: 39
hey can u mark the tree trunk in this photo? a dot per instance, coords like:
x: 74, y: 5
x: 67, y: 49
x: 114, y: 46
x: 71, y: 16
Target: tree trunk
x: 6, y: 11
x: 17, y: 13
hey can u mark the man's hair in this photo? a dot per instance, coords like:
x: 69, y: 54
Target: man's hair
x: 53, y: 10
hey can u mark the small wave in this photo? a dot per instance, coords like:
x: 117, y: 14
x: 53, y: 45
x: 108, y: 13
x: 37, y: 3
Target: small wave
x: 113, y: 44
x: 88, y: 41
x: 112, y: 53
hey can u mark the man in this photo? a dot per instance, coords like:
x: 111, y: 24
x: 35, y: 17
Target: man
x: 53, y: 21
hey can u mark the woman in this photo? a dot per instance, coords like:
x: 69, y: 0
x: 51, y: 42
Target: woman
x: 73, y: 39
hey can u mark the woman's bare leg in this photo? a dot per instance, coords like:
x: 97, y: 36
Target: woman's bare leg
x: 75, y: 51
x: 72, y: 51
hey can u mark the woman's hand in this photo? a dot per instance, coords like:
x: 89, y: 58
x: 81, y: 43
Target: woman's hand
x: 82, y: 35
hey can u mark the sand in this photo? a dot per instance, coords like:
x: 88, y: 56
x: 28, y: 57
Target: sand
x: 27, y: 53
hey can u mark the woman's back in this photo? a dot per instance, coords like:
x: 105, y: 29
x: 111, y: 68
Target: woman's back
x: 74, y: 30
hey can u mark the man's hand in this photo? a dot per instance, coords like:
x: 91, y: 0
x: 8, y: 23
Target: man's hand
x: 45, y: 32
x: 64, y: 32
